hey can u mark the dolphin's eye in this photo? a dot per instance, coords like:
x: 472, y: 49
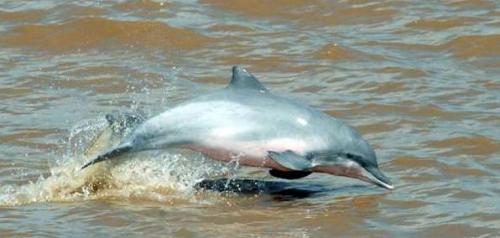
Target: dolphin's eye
x: 351, y: 156
x: 356, y: 158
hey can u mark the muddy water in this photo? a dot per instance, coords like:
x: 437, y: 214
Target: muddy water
x: 420, y: 81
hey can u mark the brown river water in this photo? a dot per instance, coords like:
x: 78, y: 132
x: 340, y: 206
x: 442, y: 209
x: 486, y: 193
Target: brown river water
x: 419, y: 79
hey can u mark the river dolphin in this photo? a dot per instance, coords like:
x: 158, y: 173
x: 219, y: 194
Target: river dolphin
x: 246, y: 122
x: 117, y: 127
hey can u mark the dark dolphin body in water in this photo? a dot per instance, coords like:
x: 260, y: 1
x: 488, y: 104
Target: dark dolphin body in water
x: 248, y: 123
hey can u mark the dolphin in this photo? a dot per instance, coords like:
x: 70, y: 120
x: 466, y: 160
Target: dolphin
x: 248, y: 123
x: 117, y: 127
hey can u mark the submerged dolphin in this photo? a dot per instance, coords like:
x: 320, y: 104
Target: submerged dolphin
x: 248, y: 123
x: 118, y: 126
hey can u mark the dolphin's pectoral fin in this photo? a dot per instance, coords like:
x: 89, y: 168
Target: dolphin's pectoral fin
x: 290, y: 160
x: 289, y: 174
x: 243, y: 79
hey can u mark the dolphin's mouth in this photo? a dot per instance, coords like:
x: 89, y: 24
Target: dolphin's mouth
x: 375, y: 176
x: 370, y: 174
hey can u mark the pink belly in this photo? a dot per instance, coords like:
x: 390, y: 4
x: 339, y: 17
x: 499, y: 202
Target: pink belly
x: 226, y: 155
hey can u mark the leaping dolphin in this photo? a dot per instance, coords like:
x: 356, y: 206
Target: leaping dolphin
x: 245, y: 121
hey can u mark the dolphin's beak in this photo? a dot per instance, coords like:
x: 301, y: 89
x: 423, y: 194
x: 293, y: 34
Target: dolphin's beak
x: 375, y: 176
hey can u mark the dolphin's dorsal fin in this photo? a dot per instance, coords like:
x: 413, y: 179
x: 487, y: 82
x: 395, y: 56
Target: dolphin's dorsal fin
x: 242, y: 79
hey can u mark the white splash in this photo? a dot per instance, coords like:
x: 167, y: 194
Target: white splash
x: 164, y: 177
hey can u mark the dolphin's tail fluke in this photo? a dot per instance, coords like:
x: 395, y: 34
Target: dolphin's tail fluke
x: 109, y: 155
